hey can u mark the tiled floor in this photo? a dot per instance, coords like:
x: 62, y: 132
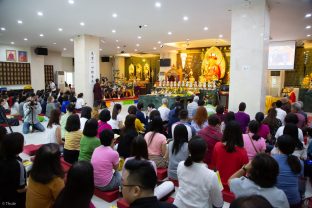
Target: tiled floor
x: 41, y: 138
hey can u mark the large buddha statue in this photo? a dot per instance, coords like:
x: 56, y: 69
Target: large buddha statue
x: 131, y: 72
x: 146, y: 71
x: 138, y: 71
x: 213, y: 65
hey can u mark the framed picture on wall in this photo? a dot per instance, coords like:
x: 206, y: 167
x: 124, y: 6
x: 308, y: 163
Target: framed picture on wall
x: 22, y: 56
x: 11, y: 55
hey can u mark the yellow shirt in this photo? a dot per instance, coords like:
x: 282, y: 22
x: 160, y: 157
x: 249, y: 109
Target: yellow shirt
x: 72, y: 140
x: 40, y: 195
x: 138, y: 125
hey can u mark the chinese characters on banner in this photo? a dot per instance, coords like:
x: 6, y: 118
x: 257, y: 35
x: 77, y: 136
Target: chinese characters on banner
x: 92, y: 67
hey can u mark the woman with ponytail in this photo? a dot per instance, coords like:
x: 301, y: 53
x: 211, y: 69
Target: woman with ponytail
x: 198, y: 185
x: 290, y: 168
x: 253, y: 143
x: 264, y: 129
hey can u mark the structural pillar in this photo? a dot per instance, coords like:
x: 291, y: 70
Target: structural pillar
x: 249, y: 55
x: 87, y: 68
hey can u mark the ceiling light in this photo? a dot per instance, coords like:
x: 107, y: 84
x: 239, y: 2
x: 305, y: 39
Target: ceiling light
x: 117, y: 41
x: 187, y: 39
x: 12, y: 43
x: 60, y: 29
x: 154, y: 48
x: 101, y: 49
x: 41, y: 35
x: 206, y: 28
x: 39, y: 13
x: 2, y: 28
x: 308, y: 27
x: 118, y: 47
x: 169, y: 33
x: 145, y: 25
x: 71, y: 40
x: 308, y: 15
x: 185, y: 18
x: 71, y: 1
x: 19, y: 21
x: 114, y: 15
x: 82, y: 23
x: 309, y: 35
x: 54, y: 43
x: 113, y: 31
x: 220, y: 36
x: 135, y: 50
x: 137, y: 45
x: 139, y: 37
x: 158, y: 4
x: 25, y: 39
x: 159, y: 42
x: 64, y: 49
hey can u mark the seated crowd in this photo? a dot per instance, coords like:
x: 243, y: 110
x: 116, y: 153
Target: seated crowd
x: 207, y: 151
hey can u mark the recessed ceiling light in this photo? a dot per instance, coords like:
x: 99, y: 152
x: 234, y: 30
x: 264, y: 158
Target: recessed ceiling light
x: 309, y: 35
x: 54, y: 43
x: 187, y: 39
x: 71, y: 1
x: 25, y: 39
x: 60, y: 29
x: 64, y: 49
x: 41, y: 35
x: 145, y: 25
x: 158, y: 4
x: 185, y: 18
x: 12, y: 43
x: 101, y: 49
x: 82, y: 23
x: 169, y: 33
x: 159, y: 42
x: 113, y: 31
x: 308, y: 27
x: 71, y: 40
x: 102, y: 41
x: 19, y: 21
x: 114, y: 15
x: 205, y: 28
x: 220, y: 36
x: 118, y: 47
x: 39, y: 13
x: 154, y: 48
x: 137, y: 45
x: 308, y: 15
x: 135, y: 50
x: 2, y: 28
x: 139, y: 37
x: 117, y: 41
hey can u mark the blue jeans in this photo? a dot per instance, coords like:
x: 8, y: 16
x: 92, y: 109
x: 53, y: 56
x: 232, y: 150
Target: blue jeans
x: 37, y: 126
x: 113, y: 184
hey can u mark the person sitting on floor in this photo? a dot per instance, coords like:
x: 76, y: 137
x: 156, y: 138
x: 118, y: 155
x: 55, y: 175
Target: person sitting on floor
x: 241, y: 117
x: 116, y: 121
x: 54, y: 128
x: 138, y: 124
x: 85, y: 115
x: 31, y: 110
x: 250, y: 201
x: 69, y: 111
x: 80, y: 102
x: 104, y: 116
x: 3, y: 117
x: 138, y: 183
x: 127, y: 134
x: 139, y: 114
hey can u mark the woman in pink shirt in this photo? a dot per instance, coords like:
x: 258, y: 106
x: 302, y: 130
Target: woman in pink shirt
x: 264, y: 129
x: 253, y: 143
x: 104, y: 118
x: 156, y: 143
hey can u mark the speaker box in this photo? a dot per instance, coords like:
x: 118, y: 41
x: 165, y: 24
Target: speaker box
x: 41, y: 51
x: 105, y: 59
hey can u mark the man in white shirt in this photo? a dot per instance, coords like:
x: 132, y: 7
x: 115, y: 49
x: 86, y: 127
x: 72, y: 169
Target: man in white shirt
x: 164, y: 110
x: 281, y: 114
x: 52, y: 86
x: 191, y: 107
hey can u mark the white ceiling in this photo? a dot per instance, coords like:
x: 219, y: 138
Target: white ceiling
x: 287, y: 22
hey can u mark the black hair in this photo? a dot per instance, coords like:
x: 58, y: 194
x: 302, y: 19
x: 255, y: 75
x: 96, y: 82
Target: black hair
x: 80, y: 95
x: 180, y: 136
x: 230, y: 116
x: 153, y: 114
x: 142, y: 173
x: 197, y: 149
x: 130, y: 122
x: 253, y: 127
x: 79, y: 187
x: 151, y: 105
x: 291, y: 118
x: 86, y: 112
x: 72, y: 123
x: 292, y: 130
x: 232, y: 136
x: 47, y: 164
x: 178, y: 99
x: 117, y: 107
x: 286, y: 144
x: 105, y: 115
x: 177, y: 110
x: 213, y: 120
x: 201, y: 102
x: 12, y: 144
x: 264, y: 170
x: 156, y: 126
x: 278, y: 104
x: 3, y: 132
x: 220, y: 109
x: 259, y: 117
x: 139, y: 148
x: 252, y: 201
x: 140, y: 105
x: 54, y: 118
x: 91, y: 127
x: 106, y: 137
x: 242, y: 106
x: 70, y: 108
x: 183, y: 114
x: 132, y: 109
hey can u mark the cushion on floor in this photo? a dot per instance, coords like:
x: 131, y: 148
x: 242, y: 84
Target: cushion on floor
x: 108, y: 196
x: 31, y: 149
x: 122, y: 203
x: 228, y: 196
x: 175, y: 182
x: 66, y: 166
x: 161, y: 173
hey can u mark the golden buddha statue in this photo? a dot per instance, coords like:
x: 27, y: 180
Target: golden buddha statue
x: 131, y: 72
x: 213, y: 65
x: 138, y: 71
x: 146, y: 71
x: 191, y: 79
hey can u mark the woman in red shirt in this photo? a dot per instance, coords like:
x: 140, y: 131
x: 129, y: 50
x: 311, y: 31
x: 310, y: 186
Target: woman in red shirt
x: 229, y: 155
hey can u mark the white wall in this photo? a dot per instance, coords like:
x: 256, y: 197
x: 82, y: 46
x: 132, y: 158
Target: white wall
x: 106, y: 70
x: 67, y: 64
x: 37, y: 71
x: 55, y: 59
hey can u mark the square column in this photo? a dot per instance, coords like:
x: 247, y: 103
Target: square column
x: 249, y: 55
x: 87, y: 67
